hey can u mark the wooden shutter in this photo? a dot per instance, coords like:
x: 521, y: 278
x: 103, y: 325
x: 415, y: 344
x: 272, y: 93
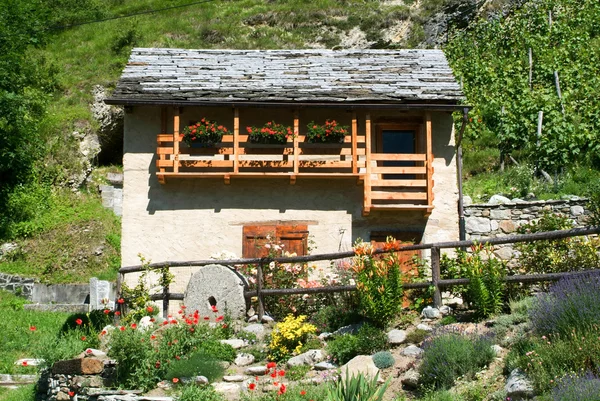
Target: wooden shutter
x: 293, y: 237
x: 402, y: 238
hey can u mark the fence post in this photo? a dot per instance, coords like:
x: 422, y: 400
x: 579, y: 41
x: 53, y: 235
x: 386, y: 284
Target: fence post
x: 165, y: 296
x: 259, y: 286
x: 435, y: 276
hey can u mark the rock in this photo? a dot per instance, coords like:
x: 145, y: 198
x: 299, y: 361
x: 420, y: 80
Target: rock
x: 325, y: 336
x: 361, y: 364
x: 324, y: 366
x: 498, y: 200
x: 494, y: 225
x: 7, y: 248
x: 350, y: 329
x: 93, y: 353
x: 110, y: 133
x: 253, y: 318
x: 257, y: 329
x: 445, y: 310
x: 88, y: 381
x: 267, y: 319
x: 308, y: 358
x: 412, y: 350
x: 29, y: 362
x: 234, y: 342
x: 507, y: 226
x: 216, y: 285
x: 497, y: 349
x: 396, y: 336
x: 518, y: 386
x: 424, y: 327
x: 234, y: 378
x: 79, y: 366
x: 505, y: 253
x: 244, y: 359
x: 467, y: 200
x: 500, y: 214
x: 201, y: 380
x: 410, y: 379
x: 430, y: 313
x: 577, y: 210
x: 145, y: 323
x: 256, y: 370
x: 230, y: 390
x: 517, y: 200
x: 480, y: 225
x: 62, y: 396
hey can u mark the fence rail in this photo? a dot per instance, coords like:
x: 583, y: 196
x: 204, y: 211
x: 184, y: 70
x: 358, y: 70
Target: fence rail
x: 436, y: 280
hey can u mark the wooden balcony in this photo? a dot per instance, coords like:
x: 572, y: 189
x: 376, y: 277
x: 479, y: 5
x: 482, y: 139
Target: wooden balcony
x: 406, y: 184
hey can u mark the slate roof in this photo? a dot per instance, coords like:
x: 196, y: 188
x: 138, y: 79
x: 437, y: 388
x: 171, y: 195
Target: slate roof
x: 180, y: 77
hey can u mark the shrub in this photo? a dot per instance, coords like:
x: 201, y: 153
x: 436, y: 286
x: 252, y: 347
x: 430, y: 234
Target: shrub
x: 416, y: 336
x: 451, y: 355
x: 356, y: 388
x: 383, y: 359
x: 378, y: 283
x: 485, y: 291
x: 366, y: 341
x: 561, y: 255
x: 288, y: 336
x: 446, y: 320
x: 580, y: 388
x: 216, y: 349
x: 572, y: 303
x: 197, y: 364
x: 332, y: 317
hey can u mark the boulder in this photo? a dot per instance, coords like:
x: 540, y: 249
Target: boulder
x: 219, y: 286
x: 361, y: 364
x: 518, y: 387
x: 257, y: 329
x: 234, y: 342
x: 324, y: 366
x: 479, y: 225
x: 256, y: 370
x: 498, y: 200
x: 445, y: 310
x: 396, y: 336
x: 430, y: 313
x: 234, y: 378
x: 308, y: 358
x: 410, y: 379
x: 412, y: 350
x: 78, y: 366
x: 244, y: 359
x: 424, y: 327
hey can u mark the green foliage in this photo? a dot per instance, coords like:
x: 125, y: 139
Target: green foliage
x: 288, y: 337
x: 297, y: 372
x: 492, y: 58
x: 192, y: 392
x: 23, y: 393
x: 450, y: 356
x: 485, y: 291
x: 196, y: 364
x: 356, y: 388
x: 552, y: 256
x: 332, y: 317
x: 383, y: 359
x: 594, y: 203
x: 366, y: 341
x: 553, y: 356
x: 378, y: 283
x: 416, y: 336
x: 446, y: 320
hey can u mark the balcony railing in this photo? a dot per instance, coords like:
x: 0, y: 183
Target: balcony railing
x: 391, y: 181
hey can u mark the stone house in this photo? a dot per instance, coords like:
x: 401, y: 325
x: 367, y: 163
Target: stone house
x: 393, y: 174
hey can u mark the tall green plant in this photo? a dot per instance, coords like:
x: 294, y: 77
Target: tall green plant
x: 378, y: 282
x: 352, y: 388
x: 485, y: 291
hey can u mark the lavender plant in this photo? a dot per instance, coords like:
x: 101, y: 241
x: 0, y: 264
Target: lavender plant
x: 572, y: 303
x: 581, y: 388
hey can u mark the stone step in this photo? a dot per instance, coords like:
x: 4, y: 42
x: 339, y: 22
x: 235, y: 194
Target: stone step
x: 69, y: 308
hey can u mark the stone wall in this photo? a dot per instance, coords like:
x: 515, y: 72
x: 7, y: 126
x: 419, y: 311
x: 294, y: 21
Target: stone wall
x: 16, y: 284
x: 498, y: 220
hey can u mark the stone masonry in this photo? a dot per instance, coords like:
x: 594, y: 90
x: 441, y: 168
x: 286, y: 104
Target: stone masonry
x: 493, y: 220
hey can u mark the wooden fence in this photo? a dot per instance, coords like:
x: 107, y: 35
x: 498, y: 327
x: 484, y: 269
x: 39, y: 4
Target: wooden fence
x: 436, y: 282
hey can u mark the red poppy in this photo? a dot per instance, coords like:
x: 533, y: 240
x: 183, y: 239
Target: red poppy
x: 103, y: 332
x: 149, y: 309
x: 271, y: 365
x: 214, y: 308
x: 281, y: 389
x: 133, y: 326
x: 175, y: 380
x: 106, y: 311
x: 274, y: 374
x: 117, y: 313
x: 206, y: 318
x: 251, y: 386
x: 71, y: 393
x: 78, y: 321
x: 24, y: 363
x: 157, y: 364
x: 122, y: 328
x: 121, y: 301
x: 83, y: 338
x: 32, y: 328
x: 281, y: 373
x: 302, y: 392
x: 219, y: 318
x: 88, y: 351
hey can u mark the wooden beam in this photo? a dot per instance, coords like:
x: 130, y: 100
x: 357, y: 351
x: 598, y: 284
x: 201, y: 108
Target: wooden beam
x: 399, y: 183
x: 163, y: 129
x: 429, y: 162
x: 367, y: 186
x: 398, y: 170
x: 398, y: 157
x: 296, y: 139
x: 236, y: 139
x: 354, y: 143
x: 383, y: 195
x: 177, y: 112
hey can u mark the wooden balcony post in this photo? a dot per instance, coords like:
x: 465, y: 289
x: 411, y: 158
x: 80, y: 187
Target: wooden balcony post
x: 236, y: 140
x: 367, y: 185
x: 296, y: 150
x: 354, y: 144
x: 163, y: 130
x: 177, y: 112
x: 429, y: 161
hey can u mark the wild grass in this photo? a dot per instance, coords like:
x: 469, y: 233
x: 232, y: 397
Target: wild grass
x: 63, y: 237
x: 25, y: 393
x: 23, y: 331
